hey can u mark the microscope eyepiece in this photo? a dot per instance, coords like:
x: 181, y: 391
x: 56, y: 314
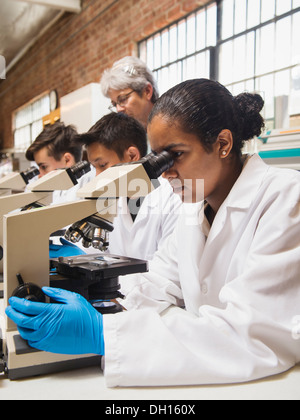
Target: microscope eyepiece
x: 156, y: 165
x: 78, y: 170
x: 29, y: 174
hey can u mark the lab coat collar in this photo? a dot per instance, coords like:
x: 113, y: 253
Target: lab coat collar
x: 242, y: 194
x: 245, y: 188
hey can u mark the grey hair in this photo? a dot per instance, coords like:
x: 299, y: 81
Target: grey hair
x: 129, y: 72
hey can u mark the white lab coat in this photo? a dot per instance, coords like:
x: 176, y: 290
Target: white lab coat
x: 155, y: 221
x: 240, y: 287
x: 67, y: 196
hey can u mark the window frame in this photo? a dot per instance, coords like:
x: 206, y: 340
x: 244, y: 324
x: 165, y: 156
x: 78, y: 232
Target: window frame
x: 32, y: 128
x: 253, y: 79
x: 207, y: 52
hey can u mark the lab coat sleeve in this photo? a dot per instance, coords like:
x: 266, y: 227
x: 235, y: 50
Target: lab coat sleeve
x: 159, y: 288
x: 249, y: 336
x: 172, y: 206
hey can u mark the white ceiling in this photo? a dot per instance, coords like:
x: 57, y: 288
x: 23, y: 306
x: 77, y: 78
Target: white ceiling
x: 23, y: 21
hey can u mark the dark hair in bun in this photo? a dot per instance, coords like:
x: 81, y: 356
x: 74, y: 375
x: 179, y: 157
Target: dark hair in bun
x: 205, y: 108
x: 249, y: 106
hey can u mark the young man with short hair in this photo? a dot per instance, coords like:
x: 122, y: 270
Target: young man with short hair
x: 141, y: 225
x: 55, y: 148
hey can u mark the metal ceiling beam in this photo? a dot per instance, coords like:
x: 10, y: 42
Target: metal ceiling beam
x: 73, y: 6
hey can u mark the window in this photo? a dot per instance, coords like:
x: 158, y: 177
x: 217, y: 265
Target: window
x: 183, y: 50
x: 262, y: 44
x: 28, y: 122
x: 247, y: 45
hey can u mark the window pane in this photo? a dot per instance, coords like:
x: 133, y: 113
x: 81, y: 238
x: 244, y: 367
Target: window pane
x: 36, y: 129
x: 202, y: 65
x: 201, y: 30
x: 189, y: 68
x: 282, y: 92
x: 250, y: 55
x: 179, y: 72
x: 282, y: 83
x: 249, y: 86
x: 173, y: 75
x: 173, y: 43
x: 295, y: 39
x: 157, y: 51
x: 283, y: 6
x: 267, y: 10
x: 165, y: 47
x: 165, y: 77
x: 181, y: 39
x: 253, y: 13
x: 265, y: 47
x: 227, y: 18
x: 266, y: 89
x: 143, y: 51
x: 211, y: 39
x: 283, y: 43
x: 296, y: 3
x: 23, y: 117
x: 225, y: 57
x: 239, y: 59
x: 169, y: 77
x: 191, y: 35
x: 238, y: 88
x: 150, y: 57
x: 28, y: 122
x: 22, y: 138
x: 240, y: 23
x: 40, y: 108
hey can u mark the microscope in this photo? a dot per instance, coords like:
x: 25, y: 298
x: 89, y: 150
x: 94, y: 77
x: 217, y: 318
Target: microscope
x: 17, y: 181
x: 39, y: 194
x: 94, y: 276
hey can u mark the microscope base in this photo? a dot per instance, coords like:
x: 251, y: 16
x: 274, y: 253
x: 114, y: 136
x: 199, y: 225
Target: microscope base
x: 22, y: 361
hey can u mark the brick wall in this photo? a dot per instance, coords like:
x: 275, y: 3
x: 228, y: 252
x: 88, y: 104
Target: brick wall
x: 76, y: 50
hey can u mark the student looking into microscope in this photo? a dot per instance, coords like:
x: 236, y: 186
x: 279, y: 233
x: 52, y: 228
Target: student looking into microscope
x: 56, y: 148
x: 230, y: 280
x: 141, y: 225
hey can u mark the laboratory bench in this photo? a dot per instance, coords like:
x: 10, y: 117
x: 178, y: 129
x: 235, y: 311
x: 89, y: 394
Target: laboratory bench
x: 89, y: 384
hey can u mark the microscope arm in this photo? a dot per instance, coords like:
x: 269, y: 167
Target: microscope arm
x: 41, y: 190
x: 15, y: 201
x: 16, y: 180
x: 30, y: 258
x: 26, y: 240
x: 13, y: 181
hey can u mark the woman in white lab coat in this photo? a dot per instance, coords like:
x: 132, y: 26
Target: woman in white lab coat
x: 221, y: 302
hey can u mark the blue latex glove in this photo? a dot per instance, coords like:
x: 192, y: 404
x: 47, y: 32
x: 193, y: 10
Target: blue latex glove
x: 67, y: 249
x: 72, y: 326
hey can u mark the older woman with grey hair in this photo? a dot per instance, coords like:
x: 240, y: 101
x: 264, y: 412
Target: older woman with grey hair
x: 131, y: 87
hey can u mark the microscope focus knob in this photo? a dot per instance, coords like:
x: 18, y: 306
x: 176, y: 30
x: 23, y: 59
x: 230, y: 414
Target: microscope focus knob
x: 30, y: 291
